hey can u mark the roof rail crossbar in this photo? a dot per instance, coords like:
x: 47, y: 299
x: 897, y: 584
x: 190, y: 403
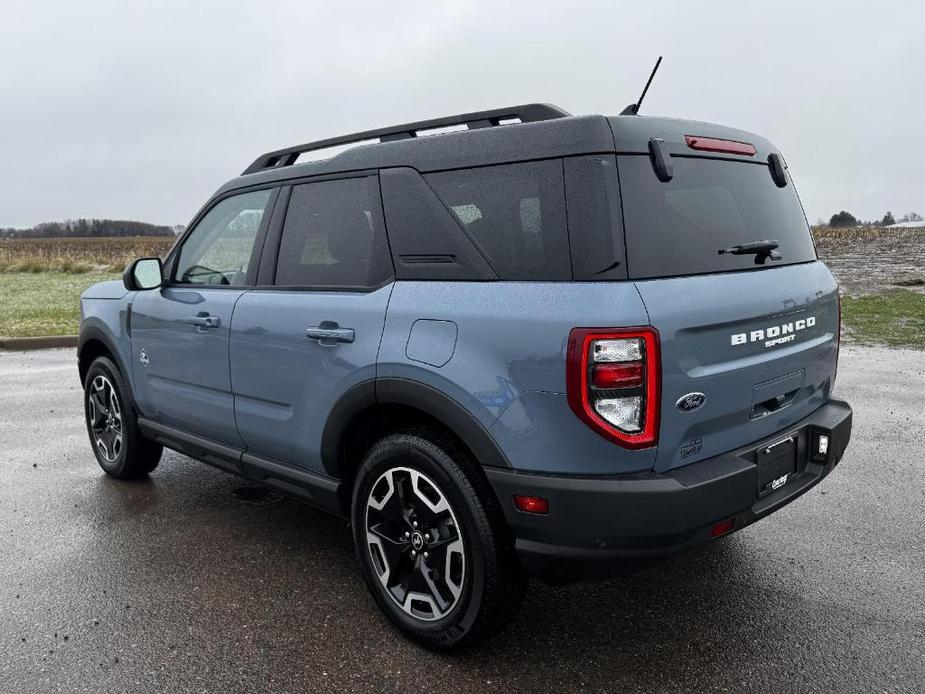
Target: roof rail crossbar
x: 526, y: 113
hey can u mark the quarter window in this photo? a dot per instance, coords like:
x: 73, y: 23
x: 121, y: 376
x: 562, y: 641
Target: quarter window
x: 515, y: 214
x: 220, y: 250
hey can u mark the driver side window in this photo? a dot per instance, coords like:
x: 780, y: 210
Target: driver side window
x: 221, y: 247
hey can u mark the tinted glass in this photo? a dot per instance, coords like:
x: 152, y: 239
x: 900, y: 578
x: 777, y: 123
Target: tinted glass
x: 330, y: 237
x: 678, y: 227
x: 219, y: 251
x: 515, y: 214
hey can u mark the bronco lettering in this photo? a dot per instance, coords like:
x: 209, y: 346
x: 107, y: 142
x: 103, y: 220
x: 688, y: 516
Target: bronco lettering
x: 772, y: 335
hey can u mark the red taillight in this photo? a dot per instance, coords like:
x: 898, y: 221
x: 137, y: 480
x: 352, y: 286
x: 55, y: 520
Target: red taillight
x: 711, y: 144
x: 613, y: 382
x: 531, y: 504
x: 617, y: 375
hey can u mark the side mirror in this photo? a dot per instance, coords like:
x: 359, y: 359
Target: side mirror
x: 144, y: 273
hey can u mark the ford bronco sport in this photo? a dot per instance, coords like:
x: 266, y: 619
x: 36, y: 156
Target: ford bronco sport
x: 536, y: 345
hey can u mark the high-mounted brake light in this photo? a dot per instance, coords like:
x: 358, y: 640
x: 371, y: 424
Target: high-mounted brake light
x: 711, y: 144
x: 613, y: 382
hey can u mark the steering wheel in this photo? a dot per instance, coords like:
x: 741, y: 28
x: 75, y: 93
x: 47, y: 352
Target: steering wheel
x: 202, y: 270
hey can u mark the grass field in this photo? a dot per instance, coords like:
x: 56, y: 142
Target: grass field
x: 41, y: 280
x: 46, y: 303
x: 43, y: 303
x: 895, y: 318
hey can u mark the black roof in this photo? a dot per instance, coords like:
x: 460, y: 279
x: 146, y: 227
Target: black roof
x: 543, y: 131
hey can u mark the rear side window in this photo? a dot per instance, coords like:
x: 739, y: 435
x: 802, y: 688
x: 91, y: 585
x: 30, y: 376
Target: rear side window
x: 331, y: 237
x: 515, y: 214
x: 678, y: 227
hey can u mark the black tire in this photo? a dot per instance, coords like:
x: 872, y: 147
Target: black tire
x: 482, y: 582
x: 124, y: 454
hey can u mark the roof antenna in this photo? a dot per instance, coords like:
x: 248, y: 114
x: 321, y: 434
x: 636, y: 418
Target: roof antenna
x: 633, y: 109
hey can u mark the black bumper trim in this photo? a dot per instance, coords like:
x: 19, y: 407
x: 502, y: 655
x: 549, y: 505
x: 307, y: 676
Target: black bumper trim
x: 602, y: 526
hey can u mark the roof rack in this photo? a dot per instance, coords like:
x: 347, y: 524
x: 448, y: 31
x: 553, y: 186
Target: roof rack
x: 526, y: 113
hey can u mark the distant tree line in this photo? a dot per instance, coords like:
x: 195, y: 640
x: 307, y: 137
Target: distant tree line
x: 76, y: 228
x: 846, y: 219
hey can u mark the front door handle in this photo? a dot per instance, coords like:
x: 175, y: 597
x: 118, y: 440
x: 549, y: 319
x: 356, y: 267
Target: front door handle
x: 329, y: 333
x: 204, y: 320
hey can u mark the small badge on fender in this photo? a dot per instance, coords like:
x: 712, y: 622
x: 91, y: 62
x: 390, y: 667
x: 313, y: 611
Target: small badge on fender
x: 691, y: 402
x: 143, y: 358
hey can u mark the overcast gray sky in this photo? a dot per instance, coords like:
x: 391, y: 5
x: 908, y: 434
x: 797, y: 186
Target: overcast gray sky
x: 140, y: 110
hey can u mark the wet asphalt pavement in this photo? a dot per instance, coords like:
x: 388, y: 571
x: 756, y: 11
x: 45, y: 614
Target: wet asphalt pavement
x: 192, y: 581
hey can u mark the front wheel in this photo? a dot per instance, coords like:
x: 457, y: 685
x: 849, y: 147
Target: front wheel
x: 433, y: 546
x: 117, y: 443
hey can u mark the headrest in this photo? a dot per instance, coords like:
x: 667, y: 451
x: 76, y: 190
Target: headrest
x: 352, y: 241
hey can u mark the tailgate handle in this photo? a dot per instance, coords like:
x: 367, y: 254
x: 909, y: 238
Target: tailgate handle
x: 775, y: 404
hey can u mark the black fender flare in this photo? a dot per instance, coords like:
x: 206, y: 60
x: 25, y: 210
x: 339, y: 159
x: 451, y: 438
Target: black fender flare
x: 414, y: 394
x: 93, y: 332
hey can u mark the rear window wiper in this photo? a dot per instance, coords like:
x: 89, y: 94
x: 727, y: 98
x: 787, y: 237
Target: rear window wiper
x: 762, y: 250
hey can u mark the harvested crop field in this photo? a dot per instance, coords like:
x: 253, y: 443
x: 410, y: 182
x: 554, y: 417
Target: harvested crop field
x: 79, y: 255
x: 865, y: 260
x: 873, y: 260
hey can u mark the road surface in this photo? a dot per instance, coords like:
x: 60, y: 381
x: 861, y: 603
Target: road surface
x: 193, y: 581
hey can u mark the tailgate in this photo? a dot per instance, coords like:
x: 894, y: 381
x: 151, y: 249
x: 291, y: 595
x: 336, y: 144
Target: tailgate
x: 760, y: 346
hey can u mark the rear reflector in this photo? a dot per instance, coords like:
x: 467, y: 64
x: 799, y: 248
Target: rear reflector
x: 722, y: 527
x: 531, y: 504
x: 710, y: 144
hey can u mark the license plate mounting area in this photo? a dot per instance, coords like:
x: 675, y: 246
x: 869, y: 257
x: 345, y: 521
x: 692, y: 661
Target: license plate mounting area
x: 777, y: 463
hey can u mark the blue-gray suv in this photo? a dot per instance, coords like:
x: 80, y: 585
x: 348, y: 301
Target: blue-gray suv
x: 503, y: 344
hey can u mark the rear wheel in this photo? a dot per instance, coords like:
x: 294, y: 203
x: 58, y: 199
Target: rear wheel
x: 434, y: 549
x: 117, y: 443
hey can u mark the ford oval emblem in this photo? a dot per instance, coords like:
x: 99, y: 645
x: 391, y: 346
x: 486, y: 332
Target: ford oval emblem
x: 691, y: 402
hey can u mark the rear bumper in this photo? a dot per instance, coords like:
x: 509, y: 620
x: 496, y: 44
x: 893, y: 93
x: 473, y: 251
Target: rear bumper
x: 597, y: 527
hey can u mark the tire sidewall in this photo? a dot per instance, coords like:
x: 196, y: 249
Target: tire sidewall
x: 434, y: 462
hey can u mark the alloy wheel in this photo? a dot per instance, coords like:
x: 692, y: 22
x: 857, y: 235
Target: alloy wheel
x: 104, y: 414
x: 415, y: 543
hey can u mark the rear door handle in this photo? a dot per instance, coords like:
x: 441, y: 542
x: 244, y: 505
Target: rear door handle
x: 329, y: 333
x: 204, y: 321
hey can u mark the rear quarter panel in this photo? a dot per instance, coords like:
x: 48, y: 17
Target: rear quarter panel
x: 507, y: 367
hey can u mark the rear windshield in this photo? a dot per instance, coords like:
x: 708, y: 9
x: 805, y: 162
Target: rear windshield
x: 676, y: 228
